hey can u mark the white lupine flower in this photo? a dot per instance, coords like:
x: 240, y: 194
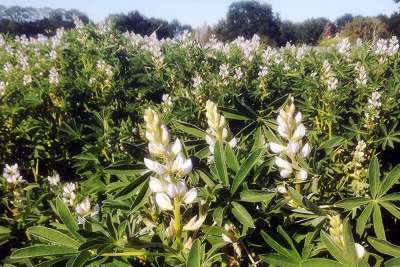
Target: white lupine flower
x: 197, y: 81
x: 27, y: 79
x: 194, y: 224
x: 84, y: 209
x: 238, y: 74
x: 218, y: 129
x: 373, y: 109
x: 54, y: 180
x: 12, y: 174
x: 263, y: 71
x: 328, y: 77
x: 359, y: 153
x: 344, y: 47
x: 174, y: 165
x: 281, y: 189
x: 224, y: 71
x: 361, y: 75
x: 163, y: 201
x: 2, y: 88
x: 167, y: 99
x: 360, y: 250
x: 53, y: 76
x: 292, y: 132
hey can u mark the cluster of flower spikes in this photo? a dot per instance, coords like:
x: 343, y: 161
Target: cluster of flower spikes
x: 217, y: 127
x: 328, y: 76
x: 292, y: 132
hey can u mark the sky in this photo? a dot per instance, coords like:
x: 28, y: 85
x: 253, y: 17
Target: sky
x: 198, y: 12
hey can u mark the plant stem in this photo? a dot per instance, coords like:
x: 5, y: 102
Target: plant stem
x: 177, y: 215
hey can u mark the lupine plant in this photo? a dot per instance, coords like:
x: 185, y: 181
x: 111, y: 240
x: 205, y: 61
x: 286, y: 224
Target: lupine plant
x: 126, y: 150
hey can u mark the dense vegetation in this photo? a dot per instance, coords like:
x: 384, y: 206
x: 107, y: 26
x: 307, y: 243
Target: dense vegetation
x: 243, y: 18
x: 122, y: 149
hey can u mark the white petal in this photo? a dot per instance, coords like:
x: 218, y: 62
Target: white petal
x: 187, y: 167
x: 190, y: 196
x: 154, y: 166
x: 299, y: 132
x: 292, y: 147
x: 285, y: 173
x: 281, y: 189
x: 360, y: 250
x: 284, y: 164
x: 226, y: 238
x: 210, y: 140
x: 163, y: 201
x: 298, y: 117
x: 156, y: 185
x: 172, y: 190
x: 181, y: 187
x: 177, y: 147
x: 233, y: 142
x: 283, y: 130
x: 276, y: 148
x: 305, y: 151
x: 302, y: 175
x: 164, y: 135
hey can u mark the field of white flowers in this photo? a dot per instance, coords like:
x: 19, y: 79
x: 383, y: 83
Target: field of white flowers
x: 125, y: 150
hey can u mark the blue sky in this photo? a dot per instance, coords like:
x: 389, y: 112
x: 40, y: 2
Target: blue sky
x: 197, y: 12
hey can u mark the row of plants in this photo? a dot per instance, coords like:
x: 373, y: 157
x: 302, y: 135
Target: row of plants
x: 125, y: 150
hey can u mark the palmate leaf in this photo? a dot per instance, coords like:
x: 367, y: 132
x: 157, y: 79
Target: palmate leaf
x: 189, y: 129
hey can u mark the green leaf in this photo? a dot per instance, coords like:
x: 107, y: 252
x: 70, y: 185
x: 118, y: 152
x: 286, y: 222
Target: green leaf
x: 219, y: 159
x: 373, y: 176
x: 391, y: 197
x: 124, y: 169
x: 189, y: 129
x: 53, y: 262
x: 394, y: 262
x: 52, y: 236
x: 279, y: 260
x: 231, y: 159
x: 363, y: 218
x: 276, y: 246
x: 378, y: 224
x: 257, y: 196
x: 81, y: 259
x: 245, y: 169
x: 133, y: 185
x: 331, y: 143
x: 66, y: 217
x: 242, y: 215
x: 391, y: 178
x: 218, y: 215
x: 195, y: 255
x: 320, y: 262
x: 395, y: 211
x: 42, y: 250
x: 384, y: 247
x: 233, y: 114
x: 351, y: 203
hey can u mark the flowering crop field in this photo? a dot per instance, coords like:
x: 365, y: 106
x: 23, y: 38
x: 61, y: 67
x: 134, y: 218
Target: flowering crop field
x: 123, y: 150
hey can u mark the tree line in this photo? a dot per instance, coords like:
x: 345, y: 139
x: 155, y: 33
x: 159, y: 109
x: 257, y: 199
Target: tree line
x: 244, y: 18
